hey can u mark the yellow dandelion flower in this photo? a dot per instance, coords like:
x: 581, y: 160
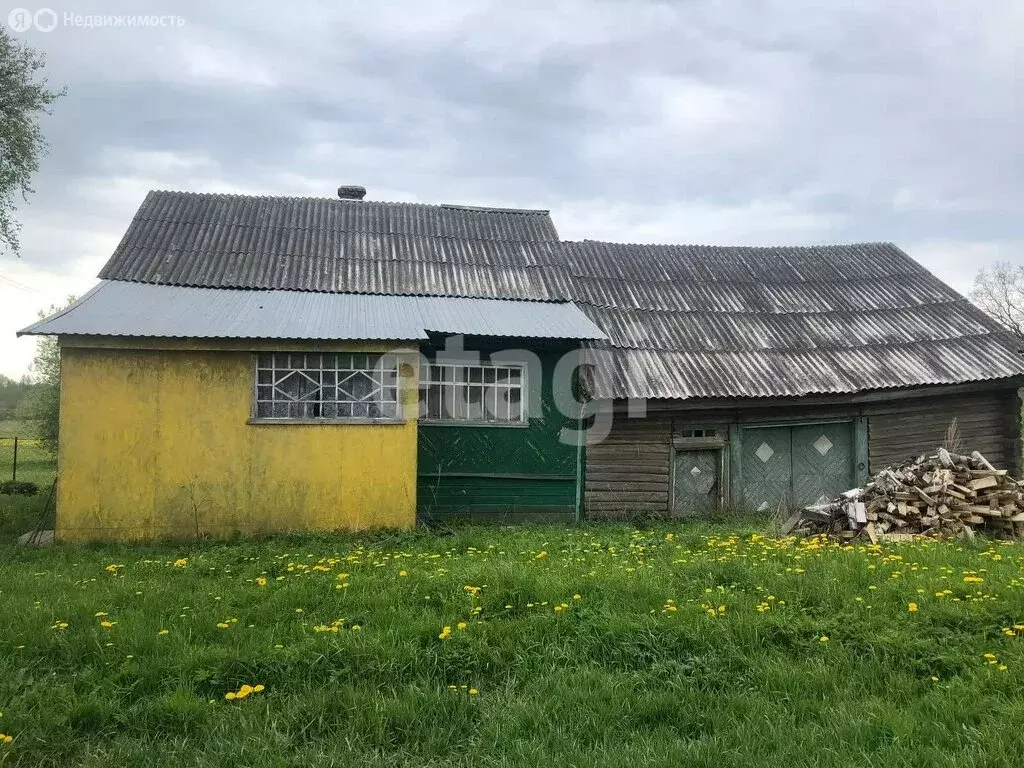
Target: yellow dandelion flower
x: 823, y: 639
x: 403, y: 573
x: 473, y: 691
x: 911, y: 607
x: 258, y: 688
x: 230, y: 695
x: 164, y: 632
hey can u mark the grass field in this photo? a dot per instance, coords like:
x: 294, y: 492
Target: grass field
x: 594, y: 645
x: 19, y: 514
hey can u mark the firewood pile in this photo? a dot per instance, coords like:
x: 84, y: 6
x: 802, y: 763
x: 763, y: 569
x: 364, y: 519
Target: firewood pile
x: 944, y: 495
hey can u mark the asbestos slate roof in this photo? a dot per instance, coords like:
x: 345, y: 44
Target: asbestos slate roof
x: 118, y: 308
x: 681, y: 321
x: 713, y: 322
x: 322, y: 244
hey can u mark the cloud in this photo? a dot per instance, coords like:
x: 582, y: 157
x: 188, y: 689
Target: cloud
x: 778, y: 122
x: 957, y: 261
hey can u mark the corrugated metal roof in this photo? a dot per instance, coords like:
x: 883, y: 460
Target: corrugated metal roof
x: 319, y: 244
x: 702, y: 321
x: 681, y: 320
x: 121, y: 308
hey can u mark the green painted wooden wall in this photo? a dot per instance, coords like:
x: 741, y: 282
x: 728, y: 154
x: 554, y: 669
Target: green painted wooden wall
x: 498, y: 472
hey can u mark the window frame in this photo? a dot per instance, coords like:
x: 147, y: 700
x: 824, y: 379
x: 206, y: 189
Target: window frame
x: 254, y: 401
x: 523, y: 386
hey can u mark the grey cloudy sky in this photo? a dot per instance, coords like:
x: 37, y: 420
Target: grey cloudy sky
x: 696, y: 122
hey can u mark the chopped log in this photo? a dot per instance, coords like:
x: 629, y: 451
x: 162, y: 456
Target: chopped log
x: 989, y: 481
x: 792, y: 522
x: 945, y: 494
x: 980, y: 460
x: 870, y: 528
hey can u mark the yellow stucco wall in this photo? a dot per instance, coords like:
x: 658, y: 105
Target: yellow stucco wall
x: 155, y: 443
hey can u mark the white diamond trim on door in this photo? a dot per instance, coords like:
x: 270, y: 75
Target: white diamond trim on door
x: 763, y: 507
x: 822, y: 445
x: 695, y: 471
x: 764, y: 452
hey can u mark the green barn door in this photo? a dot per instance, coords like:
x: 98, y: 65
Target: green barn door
x: 767, y: 467
x: 696, y: 482
x: 822, y: 462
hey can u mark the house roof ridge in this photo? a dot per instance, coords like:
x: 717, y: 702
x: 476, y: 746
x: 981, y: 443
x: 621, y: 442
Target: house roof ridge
x: 720, y: 247
x: 324, y: 198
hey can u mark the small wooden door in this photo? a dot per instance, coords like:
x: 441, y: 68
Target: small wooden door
x: 696, y: 482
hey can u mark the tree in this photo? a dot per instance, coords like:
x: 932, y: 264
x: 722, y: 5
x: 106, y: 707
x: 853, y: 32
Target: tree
x: 41, y: 406
x: 23, y: 100
x: 11, y: 394
x: 999, y: 290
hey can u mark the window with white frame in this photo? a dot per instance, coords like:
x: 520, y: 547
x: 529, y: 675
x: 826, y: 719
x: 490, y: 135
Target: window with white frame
x: 478, y: 393
x: 326, y: 385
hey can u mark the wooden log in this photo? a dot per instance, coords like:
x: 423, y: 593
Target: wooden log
x: 926, y: 498
x: 969, y: 493
x: 989, y: 481
x: 872, y: 534
x: 977, y: 458
x: 788, y: 526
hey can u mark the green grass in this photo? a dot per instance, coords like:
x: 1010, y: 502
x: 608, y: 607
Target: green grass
x: 617, y: 677
x: 19, y: 514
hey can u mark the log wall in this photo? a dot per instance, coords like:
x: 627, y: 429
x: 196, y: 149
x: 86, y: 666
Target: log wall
x: 629, y: 472
x: 987, y: 422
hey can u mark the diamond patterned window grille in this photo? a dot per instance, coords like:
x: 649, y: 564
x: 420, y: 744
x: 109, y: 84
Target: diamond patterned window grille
x: 481, y: 394
x: 326, y: 385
